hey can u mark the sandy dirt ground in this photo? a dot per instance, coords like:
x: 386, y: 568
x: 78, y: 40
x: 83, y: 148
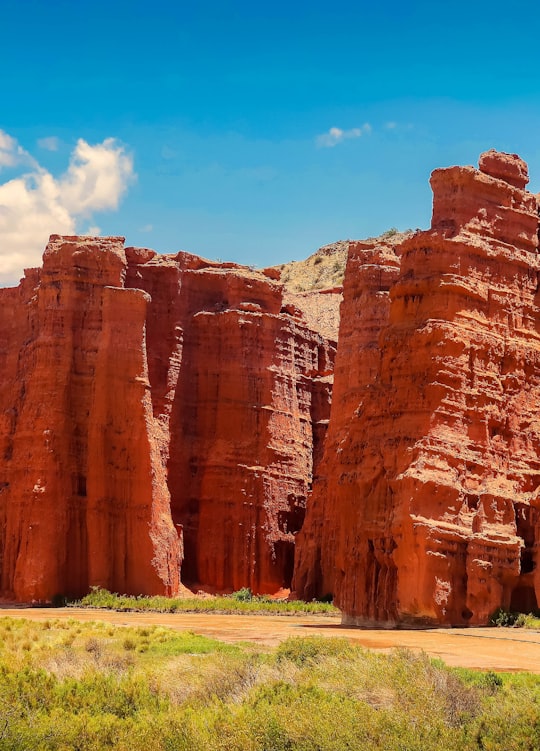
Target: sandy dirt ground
x: 503, y: 649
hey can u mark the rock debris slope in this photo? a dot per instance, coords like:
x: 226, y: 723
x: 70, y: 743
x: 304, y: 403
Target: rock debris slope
x: 149, y: 401
x: 426, y: 506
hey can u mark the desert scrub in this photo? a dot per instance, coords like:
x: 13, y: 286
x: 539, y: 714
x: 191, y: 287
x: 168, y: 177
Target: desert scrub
x: 188, y: 692
x: 243, y: 601
x: 301, y: 649
x: 503, y: 618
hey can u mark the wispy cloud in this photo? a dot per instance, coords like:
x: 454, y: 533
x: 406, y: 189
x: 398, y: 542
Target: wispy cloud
x: 167, y: 153
x: 337, y: 135
x: 11, y: 153
x: 146, y: 228
x: 36, y: 204
x: 395, y: 127
x: 50, y: 143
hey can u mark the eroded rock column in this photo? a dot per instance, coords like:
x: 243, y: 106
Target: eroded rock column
x: 80, y: 420
x: 431, y: 508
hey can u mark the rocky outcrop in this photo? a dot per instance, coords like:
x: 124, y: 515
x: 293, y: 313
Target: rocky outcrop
x: 146, y: 399
x: 167, y: 411
x: 427, y: 510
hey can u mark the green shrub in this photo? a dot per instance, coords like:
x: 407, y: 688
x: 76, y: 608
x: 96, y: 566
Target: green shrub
x: 186, y: 692
x: 243, y: 601
x: 492, y: 681
x: 503, y: 617
x: 243, y: 595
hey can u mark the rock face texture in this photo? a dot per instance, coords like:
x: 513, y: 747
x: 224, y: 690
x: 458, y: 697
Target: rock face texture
x: 425, y: 509
x: 146, y: 399
x: 372, y: 267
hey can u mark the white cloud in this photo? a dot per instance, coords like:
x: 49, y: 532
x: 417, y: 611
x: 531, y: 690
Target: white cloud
x: 8, y: 150
x: 146, y: 228
x: 50, y: 143
x: 398, y: 127
x: 36, y: 204
x: 11, y: 154
x: 97, y: 177
x: 336, y: 135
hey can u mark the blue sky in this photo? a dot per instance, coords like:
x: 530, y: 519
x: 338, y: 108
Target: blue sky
x: 206, y: 126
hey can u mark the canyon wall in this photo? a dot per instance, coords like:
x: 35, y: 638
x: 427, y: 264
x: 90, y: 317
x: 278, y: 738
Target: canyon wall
x: 146, y: 401
x: 426, y: 511
x: 371, y: 269
x: 166, y: 420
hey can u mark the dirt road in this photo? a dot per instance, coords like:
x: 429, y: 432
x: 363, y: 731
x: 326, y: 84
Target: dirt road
x: 488, y: 649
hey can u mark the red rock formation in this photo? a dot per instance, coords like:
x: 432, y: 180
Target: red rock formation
x: 247, y: 400
x: 429, y: 514
x: 129, y: 377
x: 83, y: 498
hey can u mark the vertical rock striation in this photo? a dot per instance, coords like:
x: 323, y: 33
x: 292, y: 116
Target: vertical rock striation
x: 372, y: 268
x: 429, y: 514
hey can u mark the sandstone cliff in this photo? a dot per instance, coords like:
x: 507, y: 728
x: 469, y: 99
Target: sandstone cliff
x: 426, y: 511
x: 167, y: 411
x: 148, y: 396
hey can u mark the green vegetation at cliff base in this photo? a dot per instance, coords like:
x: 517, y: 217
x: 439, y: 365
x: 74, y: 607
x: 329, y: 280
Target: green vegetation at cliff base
x: 242, y: 601
x: 508, y: 618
